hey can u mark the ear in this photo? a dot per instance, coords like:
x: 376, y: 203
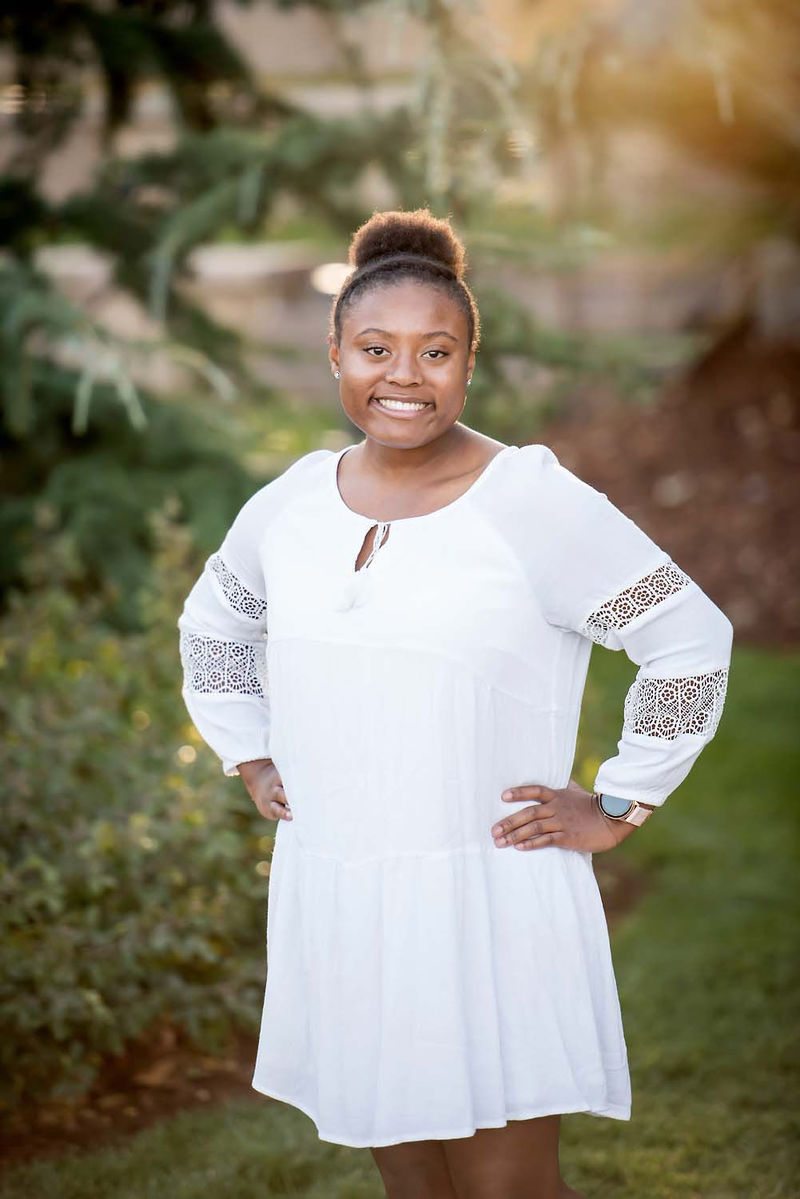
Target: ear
x: 471, y: 363
x: 333, y: 352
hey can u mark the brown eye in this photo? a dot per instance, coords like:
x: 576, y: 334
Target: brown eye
x: 380, y: 350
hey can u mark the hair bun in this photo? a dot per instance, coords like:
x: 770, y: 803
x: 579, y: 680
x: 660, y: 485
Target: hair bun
x: 415, y: 232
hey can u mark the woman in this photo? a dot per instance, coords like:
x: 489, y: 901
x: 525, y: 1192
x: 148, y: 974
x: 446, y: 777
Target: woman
x: 424, y: 604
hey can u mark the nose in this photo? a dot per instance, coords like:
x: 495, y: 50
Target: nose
x: 404, y: 370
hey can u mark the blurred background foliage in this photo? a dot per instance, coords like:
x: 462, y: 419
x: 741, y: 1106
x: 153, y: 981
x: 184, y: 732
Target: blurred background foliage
x: 131, y: 885
x: 174, y: 177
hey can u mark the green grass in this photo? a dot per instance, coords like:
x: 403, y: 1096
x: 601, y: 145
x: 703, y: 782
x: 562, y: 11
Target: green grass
x: 706, y: 964
x: 708, y: 983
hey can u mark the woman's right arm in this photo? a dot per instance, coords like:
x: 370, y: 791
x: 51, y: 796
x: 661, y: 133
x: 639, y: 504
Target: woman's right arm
x: 223, y: 641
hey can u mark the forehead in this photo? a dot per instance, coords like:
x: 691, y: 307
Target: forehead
x: 407, y: 307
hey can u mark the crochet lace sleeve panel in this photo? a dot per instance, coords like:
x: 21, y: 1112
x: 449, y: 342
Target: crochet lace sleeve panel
x: 670, y: 708
x: 665, y: 708
x: 229, y: 667
x: 634, y: 601
x: 238, y: 597
x: 232, y: 665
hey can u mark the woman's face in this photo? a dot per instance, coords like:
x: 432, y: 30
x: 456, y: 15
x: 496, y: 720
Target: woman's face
x: 402, y: 345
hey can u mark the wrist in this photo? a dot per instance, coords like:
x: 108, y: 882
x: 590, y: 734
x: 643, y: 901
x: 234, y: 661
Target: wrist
x: 254, y: 768
x: 620, y: 810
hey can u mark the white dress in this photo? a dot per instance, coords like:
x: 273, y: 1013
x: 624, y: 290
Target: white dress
x: 422, y: 982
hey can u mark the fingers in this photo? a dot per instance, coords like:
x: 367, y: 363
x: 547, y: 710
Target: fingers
x: 528, y: 792
x: 274, y: 805
x: 541, y: 811
x: 555, y: 836
x: 527, y: 830
x: 530, y: 827
x: 280, y: 804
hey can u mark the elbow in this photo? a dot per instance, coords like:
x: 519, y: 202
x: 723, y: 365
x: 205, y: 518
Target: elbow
x: 712, y: 632
x: 728, y: 636
x: 721, y: 644
x: 722, y: 638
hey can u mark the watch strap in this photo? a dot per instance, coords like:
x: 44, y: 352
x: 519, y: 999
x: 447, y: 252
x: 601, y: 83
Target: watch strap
x: 638, y: 814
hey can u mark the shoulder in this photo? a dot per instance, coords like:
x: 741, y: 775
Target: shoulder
x: 540, y: 464
x: 305, y: 467
x: 299, y: 475
x: 533, y: 475
x: 532, y: 460
x: 551, y: 508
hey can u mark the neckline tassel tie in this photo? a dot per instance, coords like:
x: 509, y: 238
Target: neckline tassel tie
x: 355, y: 591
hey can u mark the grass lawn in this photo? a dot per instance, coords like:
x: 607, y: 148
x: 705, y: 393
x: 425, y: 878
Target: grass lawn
x: 708, y: 983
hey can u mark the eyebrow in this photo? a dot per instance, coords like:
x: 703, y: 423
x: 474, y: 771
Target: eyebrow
x: 425, y: 336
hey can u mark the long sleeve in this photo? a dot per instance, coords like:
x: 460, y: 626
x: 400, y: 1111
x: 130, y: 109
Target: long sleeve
x: 603, y: 577
x: 223, y: 631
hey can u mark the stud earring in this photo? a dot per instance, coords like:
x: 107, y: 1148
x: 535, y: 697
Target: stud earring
x: 469, y: 380
x: 337, y: 374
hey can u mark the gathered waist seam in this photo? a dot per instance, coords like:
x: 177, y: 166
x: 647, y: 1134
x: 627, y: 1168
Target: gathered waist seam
x: 471, y: 849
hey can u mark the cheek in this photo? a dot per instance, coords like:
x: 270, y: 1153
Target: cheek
x: 357, y: 365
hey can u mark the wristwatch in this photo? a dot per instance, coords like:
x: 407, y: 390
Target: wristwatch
x: 617, y: 808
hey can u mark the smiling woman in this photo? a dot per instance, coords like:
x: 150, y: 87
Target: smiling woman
x: 391, y: 647
x: 403, y: 337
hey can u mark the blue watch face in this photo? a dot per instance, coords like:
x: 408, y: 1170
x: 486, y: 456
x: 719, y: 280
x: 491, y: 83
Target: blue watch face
x: 612, y: 805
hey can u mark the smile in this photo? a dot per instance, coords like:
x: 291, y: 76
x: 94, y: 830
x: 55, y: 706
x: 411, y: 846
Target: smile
x: 400, y: 405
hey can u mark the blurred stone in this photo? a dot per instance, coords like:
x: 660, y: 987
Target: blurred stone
x: 742, y: 611
x: 750, y: 559
x: 157, y: 1075
x: 755, y: 489
x: 670, y: 491
x: 777, y: 291
x: 750, y: 424
x: 781, y: 410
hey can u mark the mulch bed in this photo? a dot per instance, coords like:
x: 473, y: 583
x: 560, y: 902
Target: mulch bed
x: 712, y: 473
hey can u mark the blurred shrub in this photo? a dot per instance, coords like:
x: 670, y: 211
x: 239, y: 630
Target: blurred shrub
x: 131, y: 874
x: 100, y: 485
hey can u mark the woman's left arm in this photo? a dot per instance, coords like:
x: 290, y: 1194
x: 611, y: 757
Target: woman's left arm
x: 604, y: 578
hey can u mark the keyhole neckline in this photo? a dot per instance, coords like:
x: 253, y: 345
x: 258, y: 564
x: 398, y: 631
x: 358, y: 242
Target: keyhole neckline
x: 408, y: 520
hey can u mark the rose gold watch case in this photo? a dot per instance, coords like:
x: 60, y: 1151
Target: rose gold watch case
x: 637, y: 814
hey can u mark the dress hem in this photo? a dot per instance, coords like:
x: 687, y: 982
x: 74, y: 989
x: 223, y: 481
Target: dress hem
x: 613, y: 1111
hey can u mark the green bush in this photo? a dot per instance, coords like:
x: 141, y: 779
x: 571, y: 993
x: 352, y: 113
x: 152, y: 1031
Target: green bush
x: 100, y: 485
x: 132, y: 884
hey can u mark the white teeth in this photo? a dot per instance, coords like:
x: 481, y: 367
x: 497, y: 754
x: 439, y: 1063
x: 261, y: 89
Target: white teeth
x: 401, y: 404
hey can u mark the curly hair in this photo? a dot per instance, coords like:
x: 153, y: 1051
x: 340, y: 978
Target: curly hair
x: 406, y: 245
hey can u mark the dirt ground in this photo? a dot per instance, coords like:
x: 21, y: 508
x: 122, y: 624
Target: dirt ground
x: 711, y: 473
